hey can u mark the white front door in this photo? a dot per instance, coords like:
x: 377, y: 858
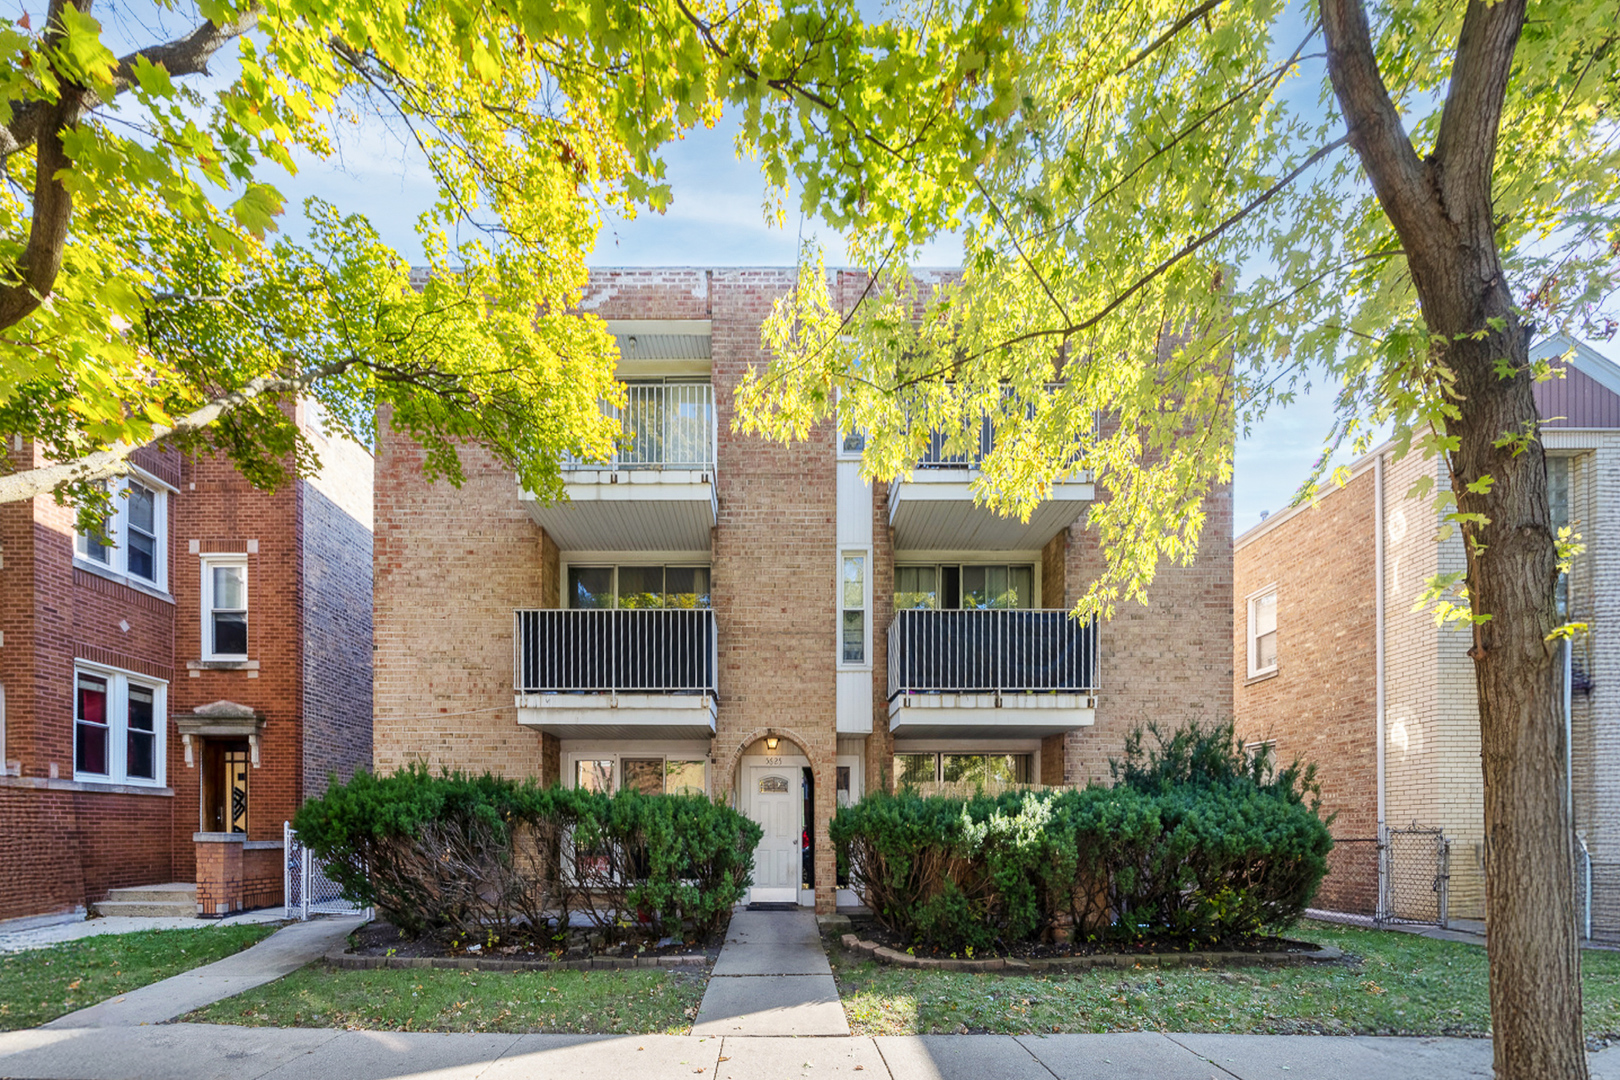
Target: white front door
x: 774, y: 799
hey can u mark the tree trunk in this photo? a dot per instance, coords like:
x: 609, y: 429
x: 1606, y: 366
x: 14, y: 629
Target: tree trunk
x: 1441, y: 207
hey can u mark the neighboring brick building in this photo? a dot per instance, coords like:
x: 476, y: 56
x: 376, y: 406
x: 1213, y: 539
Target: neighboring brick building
x: 205, y: 673
x: 772, y: 667
x: 1306, y: 655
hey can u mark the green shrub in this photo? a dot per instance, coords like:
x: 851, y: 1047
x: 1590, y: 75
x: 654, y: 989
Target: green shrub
x: 1199, y: 841
x: 481, y: 858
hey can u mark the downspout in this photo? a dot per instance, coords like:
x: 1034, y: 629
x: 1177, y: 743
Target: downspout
x: 1569, y: 732
x: 1378, y: 550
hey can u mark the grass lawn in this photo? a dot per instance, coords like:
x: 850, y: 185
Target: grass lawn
x: 636, y: 1001
x: 42, y: 984
x: 1394, y: 984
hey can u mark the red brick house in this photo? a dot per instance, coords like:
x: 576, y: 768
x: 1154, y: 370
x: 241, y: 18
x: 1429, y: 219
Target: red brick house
x: 712, y: 612
x: 201, y: 675
x: 1333, y: 664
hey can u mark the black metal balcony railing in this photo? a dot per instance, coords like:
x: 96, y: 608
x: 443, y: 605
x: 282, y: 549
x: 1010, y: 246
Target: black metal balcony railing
x: 636, y: 651
x: 991, y: 652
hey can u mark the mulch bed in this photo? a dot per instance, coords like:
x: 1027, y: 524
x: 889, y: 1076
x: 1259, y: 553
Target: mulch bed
x: 380, y: 944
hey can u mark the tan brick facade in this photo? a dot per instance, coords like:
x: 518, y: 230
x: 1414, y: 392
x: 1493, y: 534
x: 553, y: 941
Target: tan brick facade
x: 451, y: 566
x: 1321, y: 704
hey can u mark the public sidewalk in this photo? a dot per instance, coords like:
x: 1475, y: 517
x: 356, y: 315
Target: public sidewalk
x: 209, y: 1052
x: 283, y: 952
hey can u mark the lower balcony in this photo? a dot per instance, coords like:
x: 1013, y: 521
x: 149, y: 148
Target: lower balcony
x: 1002, y: 673
x: 617, y: 673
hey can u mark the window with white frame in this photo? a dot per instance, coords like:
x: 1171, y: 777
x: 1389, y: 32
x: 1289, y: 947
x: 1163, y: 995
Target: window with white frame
x: 225, y: 607
x: 133, y: 537
x: 1263, y: 632
x: 117, y: 727
x: 852, y: 600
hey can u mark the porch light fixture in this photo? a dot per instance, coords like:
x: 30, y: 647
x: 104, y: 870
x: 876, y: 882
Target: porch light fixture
x: 770, y: 742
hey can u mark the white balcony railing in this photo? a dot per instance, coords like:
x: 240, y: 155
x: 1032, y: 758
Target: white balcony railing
x: 665, y: 426
x: 615, y: 651
x: 991, y: 652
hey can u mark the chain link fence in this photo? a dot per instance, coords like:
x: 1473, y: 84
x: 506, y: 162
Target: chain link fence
x: 308, y: 890
x: 1401, y: 876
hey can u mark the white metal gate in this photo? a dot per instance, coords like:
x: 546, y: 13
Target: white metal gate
x: 308, y: 890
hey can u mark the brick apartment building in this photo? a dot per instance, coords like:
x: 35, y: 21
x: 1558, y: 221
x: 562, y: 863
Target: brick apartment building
x: 712, y: 612
x: 198, y: 677
x: 1328, y: 653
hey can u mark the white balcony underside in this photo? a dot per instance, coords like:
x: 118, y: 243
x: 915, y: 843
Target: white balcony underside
x: 619, y: 716
x: 966, y: 716
x: 630, y: 510
x: 935, y: 511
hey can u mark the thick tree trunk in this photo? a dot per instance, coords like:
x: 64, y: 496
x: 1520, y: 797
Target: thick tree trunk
x: 1442, y: 210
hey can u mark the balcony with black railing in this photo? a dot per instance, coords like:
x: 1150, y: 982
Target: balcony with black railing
x: 617, y: 673
x: 656, y: 491
x: 935, y: 508
x: 1014, y: 673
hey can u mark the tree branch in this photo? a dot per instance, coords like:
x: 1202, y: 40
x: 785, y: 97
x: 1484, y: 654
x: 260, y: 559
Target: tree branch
x: 184, y: 56
x: 20, y: 486
x: 1465, y: 149
x: 1374, y: 125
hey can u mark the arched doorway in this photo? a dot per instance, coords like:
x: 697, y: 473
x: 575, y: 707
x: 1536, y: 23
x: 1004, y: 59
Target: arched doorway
x: 773, y: 781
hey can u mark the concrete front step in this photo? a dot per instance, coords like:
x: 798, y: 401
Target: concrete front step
x: 146, y: 910
x: 175, y: 901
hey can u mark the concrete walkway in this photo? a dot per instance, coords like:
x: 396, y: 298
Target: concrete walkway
x: 285, y: 951
x: 40, y: 936
x: 209, y: 1052
x: 772, y: 978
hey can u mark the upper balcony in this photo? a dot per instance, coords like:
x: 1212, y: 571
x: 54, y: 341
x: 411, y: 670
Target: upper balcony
x: 934, y: 510
x: 617, y: 673
x: 1008, y: 673
x: 657, y: 493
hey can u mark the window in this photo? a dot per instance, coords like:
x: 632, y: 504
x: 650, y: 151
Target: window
x: 852, y: 605
x: 1558, y: 500
x: 225, y: 608
x: 650, y: 774
x: 638, y: 586
x: 1263, y: 632
x: 131, y: 539
x: 978, y: 769
x: 996, y: 586
x: 117, y: 727
x: 852, y: 444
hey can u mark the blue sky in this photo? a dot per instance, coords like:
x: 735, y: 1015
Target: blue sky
x: 717, y: 219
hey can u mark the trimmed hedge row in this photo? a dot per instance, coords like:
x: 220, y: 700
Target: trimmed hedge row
x: 1198, y: 841
x: 483, y: 858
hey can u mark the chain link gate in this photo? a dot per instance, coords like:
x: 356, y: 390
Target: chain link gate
x: 308, y: 890
x: 1416, y: 876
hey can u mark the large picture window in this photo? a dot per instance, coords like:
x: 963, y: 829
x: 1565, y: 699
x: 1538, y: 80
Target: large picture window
x: 117, y: 727
x: 970, y: 586
x: 964, y: 767
x: 650, y: 774
x: 638, y: 587
x: 132, y: 540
